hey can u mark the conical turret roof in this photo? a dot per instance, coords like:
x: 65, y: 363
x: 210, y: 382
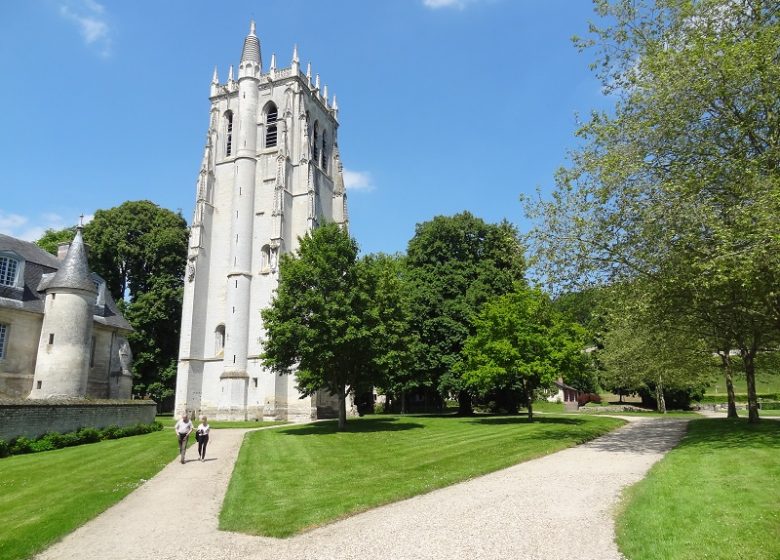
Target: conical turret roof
x: 74, y: 272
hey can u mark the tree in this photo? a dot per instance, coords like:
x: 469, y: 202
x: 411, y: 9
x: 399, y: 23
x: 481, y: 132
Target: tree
x: 521, y: 345
x: 51, y: 238
x: 319, y: 320
x: 134, y: 243
x: 396, y: 346
x: 679, y: 187
x: 455, y: 265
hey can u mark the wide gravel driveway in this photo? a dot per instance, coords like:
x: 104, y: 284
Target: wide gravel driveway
x: 559, y: 506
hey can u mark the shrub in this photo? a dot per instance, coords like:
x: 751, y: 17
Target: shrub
x: 112, y: 432
x: 88, y: 435
x: 20, y: 446
x: 5, y: 449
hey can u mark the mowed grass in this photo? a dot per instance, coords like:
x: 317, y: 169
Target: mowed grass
x: 291, y: 479
x: 45, y: 496
x: 715, y: 495
x: 170, y: 421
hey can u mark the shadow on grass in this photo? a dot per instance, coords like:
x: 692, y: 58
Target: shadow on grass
x: 722, y: 433
x: 364, y: 425
x: 502, y: 420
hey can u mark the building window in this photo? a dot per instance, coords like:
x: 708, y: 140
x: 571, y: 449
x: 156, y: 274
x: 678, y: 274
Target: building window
x: 315, y: 148
x: 219, y: 340
x: 324, y: 164
x: 9, y: 268
x: 271, y: 116
x: 51, y: 338
x: 3, y: 338
x: 265, y: 258
x: 229, y: 133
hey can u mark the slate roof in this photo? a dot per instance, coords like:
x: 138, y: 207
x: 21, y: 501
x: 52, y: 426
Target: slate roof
x: 40, y: 269
x: 74, y: 271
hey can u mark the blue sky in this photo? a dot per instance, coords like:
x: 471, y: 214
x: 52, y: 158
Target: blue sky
x: 445, y: 105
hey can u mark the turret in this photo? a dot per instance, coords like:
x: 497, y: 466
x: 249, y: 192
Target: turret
x: 64, y: 350
x: 214, y: 84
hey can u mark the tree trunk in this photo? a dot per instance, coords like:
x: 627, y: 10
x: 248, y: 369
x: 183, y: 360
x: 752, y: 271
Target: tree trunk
x: 729, y: 375
x: 620, y: 396
x: 659, y: 396
x: 750, y: 375
x: 464, y: 403
x: 403, y: 401
x: 342, y: 408
x: 530, y: 411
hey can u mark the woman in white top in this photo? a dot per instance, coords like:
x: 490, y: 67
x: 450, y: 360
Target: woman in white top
x: 202, y: 434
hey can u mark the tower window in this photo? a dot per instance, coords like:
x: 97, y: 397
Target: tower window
x: 51, y: 338
x: 229, y: 133
x: 324, y: 164
x: 3, y: 338
x: 271, y: 116
x: 40, y: 384
x: 315, y: 148
x: 265, y: 258
x: 92, y: 353
x: 219, y: 340
x: 8, y: 271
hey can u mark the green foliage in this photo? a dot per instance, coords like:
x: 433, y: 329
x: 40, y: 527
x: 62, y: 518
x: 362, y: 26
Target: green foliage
x: 455, y: 264
x: 678, y: 188
x: 520, y: 346
x: 320, y: 317
x: 718, y: 487
x: 51, y: 239
x: 355, y: 471
x: 49, y: 441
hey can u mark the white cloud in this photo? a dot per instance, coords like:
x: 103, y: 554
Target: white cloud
x: 457, y: 4
x: 24, y: 228
x: 90, y: 18
x: 358, y: 180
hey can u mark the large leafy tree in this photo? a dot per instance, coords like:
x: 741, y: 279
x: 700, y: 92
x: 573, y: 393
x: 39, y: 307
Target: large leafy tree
x: 456, y: 264
x: 320, y: 321
x: 51, y: 238
x: 678, y: 188
x: 520, y: 345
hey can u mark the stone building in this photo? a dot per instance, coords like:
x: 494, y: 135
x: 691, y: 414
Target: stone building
x: 270, y: 173
x: 61, y: 334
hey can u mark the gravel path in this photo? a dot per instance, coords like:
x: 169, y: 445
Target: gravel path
x: 559, y: 506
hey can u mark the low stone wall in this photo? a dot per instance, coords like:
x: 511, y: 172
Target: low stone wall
x: 32, y: 418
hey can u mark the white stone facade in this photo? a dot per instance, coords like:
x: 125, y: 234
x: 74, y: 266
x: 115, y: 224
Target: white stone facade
x: 270, y: 173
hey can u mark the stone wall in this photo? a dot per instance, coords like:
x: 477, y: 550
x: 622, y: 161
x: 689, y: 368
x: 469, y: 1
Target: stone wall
x: 33, y: 418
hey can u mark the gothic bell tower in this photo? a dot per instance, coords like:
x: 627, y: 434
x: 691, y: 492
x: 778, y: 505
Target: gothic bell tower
x: 271, y: 172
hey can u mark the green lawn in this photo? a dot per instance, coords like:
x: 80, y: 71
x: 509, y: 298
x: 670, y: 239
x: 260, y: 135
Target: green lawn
x: 170, y: 421
x: 45, y: 496
x: 291, y: 479
x: 715, y: 495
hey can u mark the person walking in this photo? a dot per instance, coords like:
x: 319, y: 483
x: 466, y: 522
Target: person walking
x: 183, y: 428
x: 202, y: 435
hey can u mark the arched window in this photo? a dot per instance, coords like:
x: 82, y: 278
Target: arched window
x: 265, y: 258
x: 228, y: 133
x: 315, y: 145
x: 9, y: 268
x: 324, y: 163
x: 271, y: 115
x: 219, y: 340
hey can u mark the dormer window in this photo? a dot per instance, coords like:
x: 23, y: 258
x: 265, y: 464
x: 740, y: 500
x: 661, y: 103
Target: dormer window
x: 9, y: 271
x: 271, y: 134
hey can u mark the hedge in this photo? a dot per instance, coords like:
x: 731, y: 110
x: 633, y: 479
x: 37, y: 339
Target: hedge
x: 52, y: 440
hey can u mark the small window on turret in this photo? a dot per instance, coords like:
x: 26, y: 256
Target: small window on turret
x: 51, y: 338
x: 271, y: 116
x: 229, y: 133
x: 3, y: 337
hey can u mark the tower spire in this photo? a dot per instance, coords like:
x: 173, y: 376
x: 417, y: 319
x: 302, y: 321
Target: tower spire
x: 251, y: 60
x: 215, y: 77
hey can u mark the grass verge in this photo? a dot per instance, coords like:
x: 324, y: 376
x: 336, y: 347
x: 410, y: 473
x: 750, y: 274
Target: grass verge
x: 714, y: 496
x: 45, y: 496
x: 291, y: 479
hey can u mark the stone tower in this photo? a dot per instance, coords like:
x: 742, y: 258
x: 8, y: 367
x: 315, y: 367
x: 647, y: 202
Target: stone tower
x: 270, y: 173
x: 64, y: 350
